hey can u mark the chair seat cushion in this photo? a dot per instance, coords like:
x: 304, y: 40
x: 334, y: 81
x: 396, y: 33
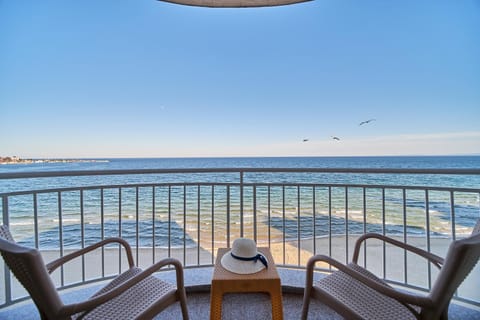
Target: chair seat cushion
x: 134, y: 301
x: 361, y: 299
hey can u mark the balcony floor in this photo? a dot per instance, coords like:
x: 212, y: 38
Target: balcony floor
x: 258, y: 305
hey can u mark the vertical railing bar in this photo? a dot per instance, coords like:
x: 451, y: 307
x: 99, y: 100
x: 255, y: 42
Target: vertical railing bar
x: 213, y: 223
x: 241, y: 204
x: 35, y: 219
x: 298, y: 225
x: 255, y: 213
x: 5, y: 211
x: 184, y: 225
x: 329, y: 223
x: 198, y: 225
x: 364, y: 226
x: 170, y: 218
x: 228, y: 216
x: 60, y: 234
x: 269, y: 217
x: 314, y: 215
x: 346, y: 224
x: 102, y: 228
x: 405, y: 255
x: 452, y: 206
x: 283, y: 221
x: 153, y: 225
x: 82, y: 221
x: 119, y: 229
x: 383, y: 233
x: 427, y: 212
x: 6, y: 270
x: 452, y: 212
x: 136, y: 222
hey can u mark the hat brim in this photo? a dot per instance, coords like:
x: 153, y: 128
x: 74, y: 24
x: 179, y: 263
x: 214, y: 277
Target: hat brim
x: 241, y: 267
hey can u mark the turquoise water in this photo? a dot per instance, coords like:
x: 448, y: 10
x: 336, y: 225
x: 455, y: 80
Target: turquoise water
x: 292, y: 213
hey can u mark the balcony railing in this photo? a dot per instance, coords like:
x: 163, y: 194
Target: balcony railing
x: 189, y: 213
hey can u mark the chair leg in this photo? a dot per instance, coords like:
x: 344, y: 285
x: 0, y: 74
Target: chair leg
x: 306, y: 302
x: 444, y: 315
x: 182, y: 296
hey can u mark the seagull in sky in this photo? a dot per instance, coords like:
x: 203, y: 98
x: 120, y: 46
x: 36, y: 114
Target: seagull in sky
x: 365, y: 122
x: 305, y: 140
x: 335, y: 138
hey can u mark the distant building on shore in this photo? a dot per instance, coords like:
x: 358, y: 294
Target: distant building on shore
x: 18, y: 160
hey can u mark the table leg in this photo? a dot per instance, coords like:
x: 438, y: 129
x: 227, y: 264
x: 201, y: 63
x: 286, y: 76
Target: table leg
x: 277, y: 306
x: 215, y: 303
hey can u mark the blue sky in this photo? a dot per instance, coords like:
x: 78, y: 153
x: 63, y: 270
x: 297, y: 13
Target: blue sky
x: 143, y: 78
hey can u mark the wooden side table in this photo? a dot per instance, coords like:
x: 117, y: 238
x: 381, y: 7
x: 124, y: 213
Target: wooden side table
x: 224, y: 281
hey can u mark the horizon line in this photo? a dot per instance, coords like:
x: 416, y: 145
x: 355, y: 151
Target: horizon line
x: 244, y: 157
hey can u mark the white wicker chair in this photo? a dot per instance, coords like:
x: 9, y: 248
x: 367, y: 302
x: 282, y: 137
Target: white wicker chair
x: 355, y: 293
x: 134, y: 294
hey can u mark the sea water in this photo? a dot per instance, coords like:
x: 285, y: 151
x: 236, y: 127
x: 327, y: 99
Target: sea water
x: 290, y: 213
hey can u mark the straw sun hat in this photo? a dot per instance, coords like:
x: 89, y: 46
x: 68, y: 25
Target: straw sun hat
x: 244, y: 257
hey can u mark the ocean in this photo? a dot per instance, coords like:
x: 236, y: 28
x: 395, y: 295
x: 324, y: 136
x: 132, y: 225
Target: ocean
x: 160, y: 210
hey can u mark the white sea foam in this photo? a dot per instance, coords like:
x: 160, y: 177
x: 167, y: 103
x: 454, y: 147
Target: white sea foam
x: 66, y: 220
x: 21, y: 223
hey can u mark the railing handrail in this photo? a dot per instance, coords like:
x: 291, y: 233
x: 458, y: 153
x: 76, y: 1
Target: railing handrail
x: 239, y: 184
x: 46, y: 174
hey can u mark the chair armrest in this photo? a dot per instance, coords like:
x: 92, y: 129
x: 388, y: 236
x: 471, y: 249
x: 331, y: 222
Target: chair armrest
x: 62, y: 260
x: 382, y: 288
x: 433, y: 258
x: 90, y: 304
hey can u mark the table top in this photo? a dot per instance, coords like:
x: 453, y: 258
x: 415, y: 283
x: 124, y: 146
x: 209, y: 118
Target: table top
x: 220, y: 273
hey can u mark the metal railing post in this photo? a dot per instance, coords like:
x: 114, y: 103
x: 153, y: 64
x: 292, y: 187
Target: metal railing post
x: 241, y: 204
x: 6, y: 270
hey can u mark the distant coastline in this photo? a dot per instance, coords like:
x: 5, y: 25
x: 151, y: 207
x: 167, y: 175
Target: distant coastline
x: 18, y: 160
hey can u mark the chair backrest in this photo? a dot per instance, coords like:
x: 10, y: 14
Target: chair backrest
x: 29, y: 268
x: 462, y: 256
x: 476, y: 228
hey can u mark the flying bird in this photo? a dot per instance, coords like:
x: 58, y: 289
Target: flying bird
x: 305, y: 140
x: 365, y: 122
x: 335, y: 138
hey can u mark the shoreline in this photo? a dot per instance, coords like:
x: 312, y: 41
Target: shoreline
x: 206, y: 241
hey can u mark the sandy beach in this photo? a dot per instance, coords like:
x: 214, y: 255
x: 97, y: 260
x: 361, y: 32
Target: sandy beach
x: 295, y: 256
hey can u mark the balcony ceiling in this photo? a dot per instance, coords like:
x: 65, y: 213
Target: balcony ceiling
x: 235, y: 3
